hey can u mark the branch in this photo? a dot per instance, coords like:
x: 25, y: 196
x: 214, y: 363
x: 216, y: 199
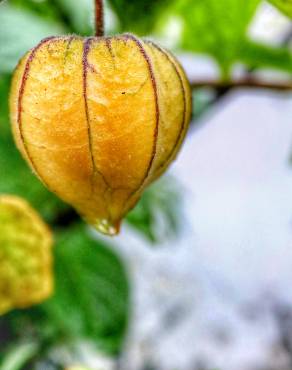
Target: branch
x: 242, y: 83
x: 99, y: 18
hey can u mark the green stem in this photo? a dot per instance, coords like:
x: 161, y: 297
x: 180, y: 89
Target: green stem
x: 99, y: 18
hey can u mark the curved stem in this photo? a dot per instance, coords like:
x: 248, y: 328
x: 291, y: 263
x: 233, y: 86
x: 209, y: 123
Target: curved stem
x: 99, y: 18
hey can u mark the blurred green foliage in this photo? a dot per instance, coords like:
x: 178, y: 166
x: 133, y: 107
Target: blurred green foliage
x: 139, y: 16
x: 217, y: 28
x: 77, y: 14
x: 284, y: 5
x: 256, y: 55
x: 92, y: 294
x: 157, y: 214
x: 220, y: 29
x: 20, y: 30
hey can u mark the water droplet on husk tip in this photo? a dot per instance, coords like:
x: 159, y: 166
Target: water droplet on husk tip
x: 106, y: 227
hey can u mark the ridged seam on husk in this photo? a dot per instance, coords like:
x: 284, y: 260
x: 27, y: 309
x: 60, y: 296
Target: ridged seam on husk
x: 86, y: 49
x: 187, y: 90
x: 85, y: 65
x: 154, y: 84
x: 167, y: 161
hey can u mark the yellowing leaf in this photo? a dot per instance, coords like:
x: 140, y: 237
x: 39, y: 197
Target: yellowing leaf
x: 25, y: 255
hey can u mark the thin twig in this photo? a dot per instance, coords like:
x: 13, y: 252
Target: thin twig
x: 242, y: 83
x: 99, y: 18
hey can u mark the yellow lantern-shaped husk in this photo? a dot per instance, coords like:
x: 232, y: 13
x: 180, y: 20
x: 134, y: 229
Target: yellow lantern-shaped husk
x: 98, y: 119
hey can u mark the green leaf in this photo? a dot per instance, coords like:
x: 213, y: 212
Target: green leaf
x: 216, y: 28
x: 202, y: 100
x: 80, y: 13
x: 256, y: 55
x: 92, y: 293
x: 4, y: 92
x: 95, y: 274
x: 44, y: 9
x: 284, y: 6
x: 20, y: 30
x: 157, y: 214
x: 139, y: 16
